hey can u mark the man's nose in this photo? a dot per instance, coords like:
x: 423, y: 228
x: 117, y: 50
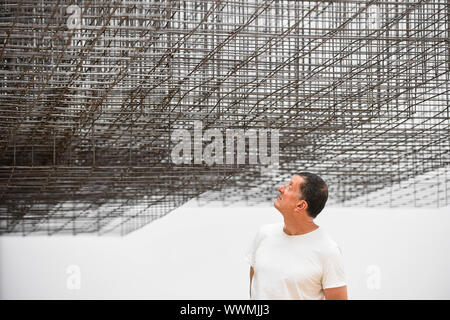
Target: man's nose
x: 280, y: 188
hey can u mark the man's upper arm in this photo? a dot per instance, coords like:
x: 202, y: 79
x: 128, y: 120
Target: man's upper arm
x: 338, y: 293
x: 333, y: 274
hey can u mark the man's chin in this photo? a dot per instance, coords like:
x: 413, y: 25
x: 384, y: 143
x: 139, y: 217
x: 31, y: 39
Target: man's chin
x: 275, y: 204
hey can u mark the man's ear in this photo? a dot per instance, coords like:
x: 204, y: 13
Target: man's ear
x: 302, y: 205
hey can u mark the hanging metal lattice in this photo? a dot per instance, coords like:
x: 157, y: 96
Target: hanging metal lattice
x: 92, y: 91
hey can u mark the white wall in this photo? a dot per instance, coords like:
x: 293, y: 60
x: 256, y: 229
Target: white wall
x: 197, y: 253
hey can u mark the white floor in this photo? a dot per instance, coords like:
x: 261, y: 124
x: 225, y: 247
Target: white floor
x: 197, y: 253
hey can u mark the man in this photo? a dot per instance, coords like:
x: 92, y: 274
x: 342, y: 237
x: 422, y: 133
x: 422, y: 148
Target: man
x: 297, y: 259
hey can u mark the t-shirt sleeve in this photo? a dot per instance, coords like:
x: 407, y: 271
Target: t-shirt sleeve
x: 251, y: 250
x: 333, y: 272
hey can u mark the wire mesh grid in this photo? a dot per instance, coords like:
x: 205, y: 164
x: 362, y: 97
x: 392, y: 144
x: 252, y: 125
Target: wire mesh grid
x: 91, y: 92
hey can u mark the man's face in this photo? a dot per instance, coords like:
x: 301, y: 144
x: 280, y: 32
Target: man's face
x: 289, y: 195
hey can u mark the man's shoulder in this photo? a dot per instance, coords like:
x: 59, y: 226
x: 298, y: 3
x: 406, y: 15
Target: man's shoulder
x: 328, y: 245
x: 270, y: 228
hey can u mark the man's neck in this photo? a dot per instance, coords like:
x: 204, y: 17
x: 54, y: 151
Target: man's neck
x: 298, y: 227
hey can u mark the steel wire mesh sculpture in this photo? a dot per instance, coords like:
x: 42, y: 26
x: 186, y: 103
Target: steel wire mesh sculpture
x: 91, y: 92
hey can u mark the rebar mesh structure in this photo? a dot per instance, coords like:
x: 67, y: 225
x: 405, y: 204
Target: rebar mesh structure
x: 92, y: 90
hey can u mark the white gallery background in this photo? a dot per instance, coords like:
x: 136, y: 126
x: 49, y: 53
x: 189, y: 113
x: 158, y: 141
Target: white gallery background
x: 198, y: 253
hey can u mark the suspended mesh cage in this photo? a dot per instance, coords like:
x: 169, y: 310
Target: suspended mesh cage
x: 93, y: 92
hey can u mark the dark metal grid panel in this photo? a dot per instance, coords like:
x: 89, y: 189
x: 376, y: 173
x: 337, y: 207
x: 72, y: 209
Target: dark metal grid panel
x: 358, y: 89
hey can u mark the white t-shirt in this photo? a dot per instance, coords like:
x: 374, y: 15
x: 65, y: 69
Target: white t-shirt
x: 294, y: 267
